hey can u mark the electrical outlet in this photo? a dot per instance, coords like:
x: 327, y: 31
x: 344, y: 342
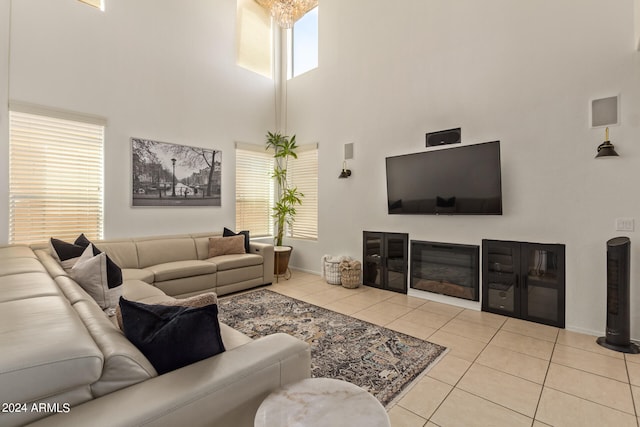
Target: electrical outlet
x: 625, y: 224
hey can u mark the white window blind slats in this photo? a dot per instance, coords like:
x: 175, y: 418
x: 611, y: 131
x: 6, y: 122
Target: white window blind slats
x: 303, y: 173
x: 254, y: 190
x: 56, y: 178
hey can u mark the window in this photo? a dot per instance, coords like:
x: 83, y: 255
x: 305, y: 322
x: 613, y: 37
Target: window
x: 254, y: 189
x: 303, y: 173
x: 304, y: 44
x: 254, y: 38
x: 55, y: 175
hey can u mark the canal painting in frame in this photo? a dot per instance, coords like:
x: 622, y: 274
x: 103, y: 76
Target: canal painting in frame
x: 165, y: 174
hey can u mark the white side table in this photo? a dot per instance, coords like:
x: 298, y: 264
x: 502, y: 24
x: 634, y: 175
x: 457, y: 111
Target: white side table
x: 321, y: 402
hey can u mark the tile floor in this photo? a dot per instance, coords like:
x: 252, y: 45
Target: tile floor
x: 499, y: 371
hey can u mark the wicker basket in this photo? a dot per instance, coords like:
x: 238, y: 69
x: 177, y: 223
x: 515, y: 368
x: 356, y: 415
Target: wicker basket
x: 332, y: 272
x: 350, y: 278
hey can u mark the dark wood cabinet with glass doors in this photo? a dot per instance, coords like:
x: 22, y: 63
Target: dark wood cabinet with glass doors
x: 524, y: 280
x: 386, y: 260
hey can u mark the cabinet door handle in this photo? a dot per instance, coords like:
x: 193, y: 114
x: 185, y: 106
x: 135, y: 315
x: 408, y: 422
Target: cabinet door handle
x: 517, y: 280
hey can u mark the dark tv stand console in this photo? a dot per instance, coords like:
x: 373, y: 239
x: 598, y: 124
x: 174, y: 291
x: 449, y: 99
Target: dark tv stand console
x: 524, y: 280
x: 386, y: 260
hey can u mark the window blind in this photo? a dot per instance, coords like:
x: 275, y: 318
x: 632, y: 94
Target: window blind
x: 254, y: 189
x: 55, y: 178
x: 303, y: 174
x: 254, y: 38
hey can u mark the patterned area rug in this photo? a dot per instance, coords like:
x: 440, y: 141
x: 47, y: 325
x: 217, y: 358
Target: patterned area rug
x: 380, y: 360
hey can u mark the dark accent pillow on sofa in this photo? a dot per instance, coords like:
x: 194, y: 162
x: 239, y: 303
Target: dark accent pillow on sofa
x: 172, y: 336
x: 228, y: 233
x: 443, y: 202
x: 68, y: 253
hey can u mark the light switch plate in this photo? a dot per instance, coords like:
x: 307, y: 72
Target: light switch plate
x: 625, y: 224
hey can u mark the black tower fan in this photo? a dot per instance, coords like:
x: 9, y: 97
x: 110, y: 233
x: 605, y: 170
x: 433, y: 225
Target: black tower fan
x: 618, y: 297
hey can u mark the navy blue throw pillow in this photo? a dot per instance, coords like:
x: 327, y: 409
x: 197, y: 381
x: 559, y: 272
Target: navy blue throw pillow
x: 228, y: 233
x: 172, y: 336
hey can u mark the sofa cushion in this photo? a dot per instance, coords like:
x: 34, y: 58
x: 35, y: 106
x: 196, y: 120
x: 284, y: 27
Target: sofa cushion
x: 46, y: 350
x: 189, y: 286
x: 27, y: 285
x: 161, y: 251
x: 124, y: 253
x: 20, y: 265
x: 172, y: 336
x: 247, y: 242
x: 137, y: 274
x: 100, y: 277
x: 230, y: 262
x: 16, y: 251
x: 238, y: 279
x: 181, y: 269
x: 137, y: 290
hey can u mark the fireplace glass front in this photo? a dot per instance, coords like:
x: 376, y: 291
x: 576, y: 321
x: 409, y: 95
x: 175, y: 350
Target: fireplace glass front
x: 445, y: 268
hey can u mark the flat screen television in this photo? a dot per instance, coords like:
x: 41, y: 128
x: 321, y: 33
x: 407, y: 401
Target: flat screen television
x: 464, y: 180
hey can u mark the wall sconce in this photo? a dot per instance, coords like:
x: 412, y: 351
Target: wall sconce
x: 606, y: 149
x: 346, y: 173
x: 348, y: 154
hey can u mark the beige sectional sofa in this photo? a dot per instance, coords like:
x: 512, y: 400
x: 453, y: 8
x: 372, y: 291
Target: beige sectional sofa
x: 180, y: 265
x: 64, y: 362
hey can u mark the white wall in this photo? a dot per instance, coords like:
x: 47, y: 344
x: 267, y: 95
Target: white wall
x: 520, y: 72
x: 156, y: 69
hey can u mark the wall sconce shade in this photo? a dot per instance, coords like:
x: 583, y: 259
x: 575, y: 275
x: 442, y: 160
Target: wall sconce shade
x: 346, y: 173
x: 606, y: 149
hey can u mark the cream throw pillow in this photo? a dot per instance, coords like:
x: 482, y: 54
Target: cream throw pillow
x: 94, y: 274
x: 226, y: 245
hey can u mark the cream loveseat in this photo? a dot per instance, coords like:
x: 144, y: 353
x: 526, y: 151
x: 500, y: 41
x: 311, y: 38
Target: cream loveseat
x: 63, y: 361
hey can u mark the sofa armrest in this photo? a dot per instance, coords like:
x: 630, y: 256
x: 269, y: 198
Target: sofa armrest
x: 224, y: 390
x: 266, y: 250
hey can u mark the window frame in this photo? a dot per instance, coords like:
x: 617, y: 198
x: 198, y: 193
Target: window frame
x: 291, y: 68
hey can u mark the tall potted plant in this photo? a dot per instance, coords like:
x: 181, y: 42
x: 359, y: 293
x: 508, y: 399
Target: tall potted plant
x: 288, y: 196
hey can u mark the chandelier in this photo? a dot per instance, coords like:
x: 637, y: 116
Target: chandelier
x: 286, y: 12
